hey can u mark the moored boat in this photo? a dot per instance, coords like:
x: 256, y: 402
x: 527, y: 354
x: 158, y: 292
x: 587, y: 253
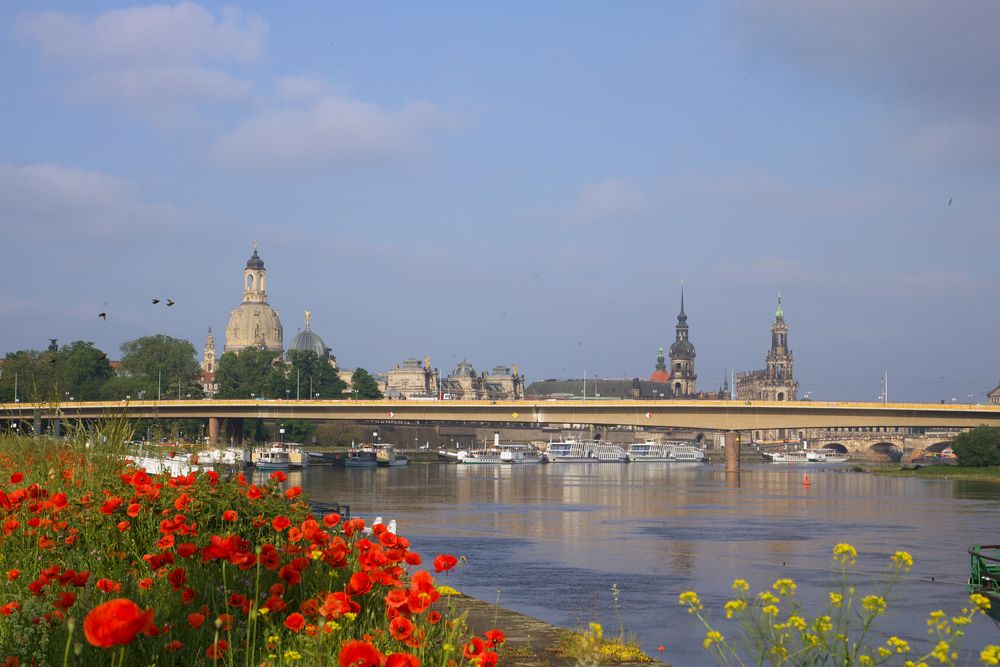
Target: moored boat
x: 649, y: 452
x: 984, y: 576
x: 387, y: 456
x: 585, y: 451
x: 519, y: 454
x: 687, y: 452
x: 361, y: 458
x: 272, y: 459
x: 488, y: 456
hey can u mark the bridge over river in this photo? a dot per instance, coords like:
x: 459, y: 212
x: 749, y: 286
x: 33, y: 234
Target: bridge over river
x: 732, y: 416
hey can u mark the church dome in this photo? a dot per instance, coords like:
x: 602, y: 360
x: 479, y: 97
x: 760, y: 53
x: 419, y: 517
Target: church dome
x: 254, y: 325
x: 464, y: 370
x: 309, y: 340
x: 255, y: 262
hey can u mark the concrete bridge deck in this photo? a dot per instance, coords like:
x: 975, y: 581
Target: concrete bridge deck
x: 714, y: 415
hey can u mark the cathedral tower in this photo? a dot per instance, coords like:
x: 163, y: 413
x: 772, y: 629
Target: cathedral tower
x: 780, y: 378
x: 208, y: 355
x: 682, y: 375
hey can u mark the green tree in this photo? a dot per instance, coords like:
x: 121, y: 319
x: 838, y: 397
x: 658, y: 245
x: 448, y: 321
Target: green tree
x: 251, y: 372
x: 364, y: 385
x: 85, y: 371
x: 161, y: 365
x: 979, y: 447
x: 308, y: 373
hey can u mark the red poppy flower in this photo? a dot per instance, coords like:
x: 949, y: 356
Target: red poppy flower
x: 402, y: 660
x: 253, y: 493
x: 186, y: 549
x: 224, y: 621
x: 331, y: 519
x: 488, y: 659
x: 230, y: 515
x: 216, y: 650
x: 124, y: 525
x: 359, y: 654
x: 66, y: 600
x: 444, y: 562
x: 16, y: 478
x: 412, y: 558
x: 116, y: 622
x: 13, y: 574
x: 196, y: 620
x: 475, y: 647
x: 175, y: 645
x: 278, y: 476
x: 145, y: 584
x: 133, y: 510
x: 495, y: 636
x: 107, y: 585
x: 295, y: 621
x: 434, y: 617
x: 279, y: 523
x: 293, y: 491
x: 401, y: 628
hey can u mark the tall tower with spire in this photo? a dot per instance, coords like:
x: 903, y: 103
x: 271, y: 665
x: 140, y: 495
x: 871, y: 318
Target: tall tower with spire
x: 682, y: 354
x: 254, y: 323
x: 208, y: 383
x: 780, y: 377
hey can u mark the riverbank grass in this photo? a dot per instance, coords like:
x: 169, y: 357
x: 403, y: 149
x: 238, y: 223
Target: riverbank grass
x: 984, y: 474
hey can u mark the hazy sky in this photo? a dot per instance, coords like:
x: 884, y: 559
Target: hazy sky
x: 516, y: 182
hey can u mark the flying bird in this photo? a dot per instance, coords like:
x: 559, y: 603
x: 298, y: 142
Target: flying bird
x: 155, y: 301
x: 170, y: 302
x: 950, y: 200
x: 103, y: 316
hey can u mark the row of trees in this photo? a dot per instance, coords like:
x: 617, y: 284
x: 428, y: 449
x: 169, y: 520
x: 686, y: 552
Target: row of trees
x: 163, y: 367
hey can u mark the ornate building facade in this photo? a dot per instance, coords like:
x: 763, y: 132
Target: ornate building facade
x: 682, y: 354
x: 502, y: 383
x: 777, y: 381
x: 413, y: 379
x: 994, y: 396
x: 254, y: 323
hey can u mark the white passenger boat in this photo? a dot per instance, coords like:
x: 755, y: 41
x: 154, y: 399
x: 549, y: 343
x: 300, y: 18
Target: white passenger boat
x: 585, y: 451
x: 488, y: 456
x: 806, y: 456
x: 387, y: 456
x: 280, y: 455
x: 519, y: 454
x: 687, y: 452
x: 649, y: 451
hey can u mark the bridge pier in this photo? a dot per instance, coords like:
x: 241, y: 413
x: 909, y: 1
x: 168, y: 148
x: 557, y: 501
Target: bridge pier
x: 732, y: 444
x: 213, y: 431
x: 36, y: 423
x: 56, y: 428
x: 234, y: 431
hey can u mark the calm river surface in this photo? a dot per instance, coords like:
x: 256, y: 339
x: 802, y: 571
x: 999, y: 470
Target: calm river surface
x: 550, y: 540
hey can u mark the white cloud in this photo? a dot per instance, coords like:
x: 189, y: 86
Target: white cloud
x: 50, y: 202
x: 151, y: 61
x: 156, y: 34
x: 333, y: 130
x: 611, y: 199
x: 165, y: 94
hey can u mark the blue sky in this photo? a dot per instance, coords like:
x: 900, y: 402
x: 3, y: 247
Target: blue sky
x: 516, y: 183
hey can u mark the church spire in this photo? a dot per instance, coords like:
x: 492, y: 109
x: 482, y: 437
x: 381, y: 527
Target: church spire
x: 779, y: 314
x: 682, y: 317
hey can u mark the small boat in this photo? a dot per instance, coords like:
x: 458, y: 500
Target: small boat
x: 519, y: 454
x: 387, y: 456
x: 361, y: 458
x: 272, y: 459
x: 984, y: 576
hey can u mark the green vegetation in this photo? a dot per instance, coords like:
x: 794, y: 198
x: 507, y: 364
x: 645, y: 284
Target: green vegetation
x: 364, y: 385
x: 979, y: 447
x: 989, y: 474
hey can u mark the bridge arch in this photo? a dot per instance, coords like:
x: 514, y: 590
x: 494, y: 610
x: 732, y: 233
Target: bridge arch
x: 886, y: 451
x: 940, y: 446
x: 836, y: 446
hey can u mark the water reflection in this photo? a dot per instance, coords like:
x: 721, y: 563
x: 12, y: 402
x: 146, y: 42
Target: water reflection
x: 554, y: 538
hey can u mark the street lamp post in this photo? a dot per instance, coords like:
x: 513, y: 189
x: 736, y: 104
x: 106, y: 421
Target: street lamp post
x: 281, y: 434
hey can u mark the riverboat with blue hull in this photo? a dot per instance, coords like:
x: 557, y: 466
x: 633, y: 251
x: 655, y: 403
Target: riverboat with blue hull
x: 585, y: 451
x: 984, y: 576
x: 361, y: 458
x: 386, y: 456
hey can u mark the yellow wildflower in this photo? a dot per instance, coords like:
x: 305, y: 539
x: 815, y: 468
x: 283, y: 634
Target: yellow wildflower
x: 990, y: 655
x: 315, y: 554
x: 690, y: 600
x: 292, y: 655
x: 740, y: 585
x: 780, y: 651
x: 902, y: 560
x: 874, y: 604
x: 447, y: 648
x: 597, y: 630
x: 784, y: 587
x: 844, y: 553
x: 836, y: 599
x: 865, y: 660
x: 797, y: 622
x: 810, y: 639
x: 713, y: 637
x: 941, y: 651
x: 961, y: 620
x: 883, y: 652
x: 770, y: 610
x: 823, y: 624
x: 897, y: 644
x: 767, y: 598
x: 734, y: 606
x: 980, y: 601
x: 263, y: 611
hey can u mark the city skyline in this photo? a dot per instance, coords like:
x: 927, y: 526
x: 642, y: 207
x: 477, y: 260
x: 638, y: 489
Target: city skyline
x: 425, y: 187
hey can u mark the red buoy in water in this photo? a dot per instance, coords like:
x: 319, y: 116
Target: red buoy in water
x: 805, y: 480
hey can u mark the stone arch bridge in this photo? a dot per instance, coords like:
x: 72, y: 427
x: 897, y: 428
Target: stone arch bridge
x: 884, y: 446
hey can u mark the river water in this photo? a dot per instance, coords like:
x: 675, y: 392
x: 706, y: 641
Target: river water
x: 551, y: 540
